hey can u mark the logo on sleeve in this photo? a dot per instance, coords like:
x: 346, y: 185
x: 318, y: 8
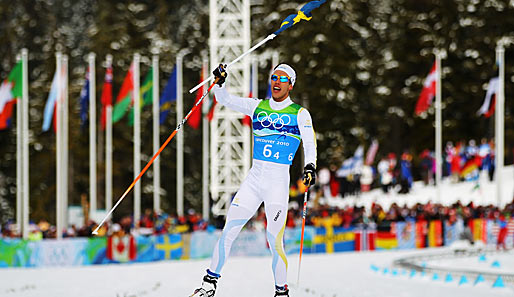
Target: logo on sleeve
x: 278, y: 214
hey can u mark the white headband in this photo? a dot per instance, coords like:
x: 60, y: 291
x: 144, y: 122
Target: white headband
x: 289, y: 70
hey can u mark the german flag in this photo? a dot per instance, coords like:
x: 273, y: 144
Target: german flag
x: 469, y: 167
x: 386, y: 240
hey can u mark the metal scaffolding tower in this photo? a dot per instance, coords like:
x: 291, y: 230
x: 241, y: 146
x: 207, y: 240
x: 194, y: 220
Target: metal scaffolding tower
x: 230, y: 140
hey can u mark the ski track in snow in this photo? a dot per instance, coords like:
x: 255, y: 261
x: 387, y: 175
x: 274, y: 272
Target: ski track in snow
x: 335, y: 275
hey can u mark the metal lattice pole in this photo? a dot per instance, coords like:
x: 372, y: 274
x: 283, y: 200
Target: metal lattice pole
x: 230, y: 141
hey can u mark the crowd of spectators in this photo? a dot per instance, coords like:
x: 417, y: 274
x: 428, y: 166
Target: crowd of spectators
x: 153, y: 223
x: 461, y: 162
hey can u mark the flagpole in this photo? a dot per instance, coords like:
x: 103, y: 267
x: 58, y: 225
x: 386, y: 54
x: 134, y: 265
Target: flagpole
x: 108, y: 148
x: 156, y: 138
x: 58, y: 150
x: 92, y: 135
x: 25, y: 112
x: 137, y: 139
x: 274, y: 59
x: 438, y: 130
x: 255, y: 93
x: 19, y: 163
x: 205, y: 148
x: 500, y: 126
x: 65, y: 143
x: 255, y: 77
x: 180, y: 136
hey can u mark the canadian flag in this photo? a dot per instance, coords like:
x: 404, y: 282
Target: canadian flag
x: 428, y: 92
x: 487, y: 108
x: 121, y: 248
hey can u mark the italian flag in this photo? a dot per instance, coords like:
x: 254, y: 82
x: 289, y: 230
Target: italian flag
x: 124, y: 99
x: 10, y: 90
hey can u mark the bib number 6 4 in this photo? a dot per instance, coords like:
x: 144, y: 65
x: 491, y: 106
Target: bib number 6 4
x: 266, y: 152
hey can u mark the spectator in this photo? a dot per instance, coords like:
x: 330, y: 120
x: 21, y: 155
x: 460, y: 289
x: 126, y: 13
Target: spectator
x: 405, y: 173
x: 386, y: 176
x: 426, y: 167
x: 366, y: 178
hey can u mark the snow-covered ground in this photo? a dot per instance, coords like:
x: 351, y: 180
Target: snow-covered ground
x: 343, y: 275
x: 466, y: 192
x: 491, y: 263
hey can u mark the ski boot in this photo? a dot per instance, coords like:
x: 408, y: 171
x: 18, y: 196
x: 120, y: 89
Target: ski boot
x: 281, y: 291
x: 208, y: 287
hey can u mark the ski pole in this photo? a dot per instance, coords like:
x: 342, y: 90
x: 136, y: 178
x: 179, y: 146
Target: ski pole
x: 179, y: 126
x: 271, y: 36
x: 304, y: 214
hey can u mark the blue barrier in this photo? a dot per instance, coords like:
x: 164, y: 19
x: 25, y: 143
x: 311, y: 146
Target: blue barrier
x: 463, y: 280
x: 479, y: 279
x: 498, y: 283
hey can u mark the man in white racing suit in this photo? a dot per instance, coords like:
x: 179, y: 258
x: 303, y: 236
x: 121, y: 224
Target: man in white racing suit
x: 279, y: 125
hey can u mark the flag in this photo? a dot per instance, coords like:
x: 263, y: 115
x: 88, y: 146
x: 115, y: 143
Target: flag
x: 470, y: 168
x: 303, y: 14
x: 435, y: 234
x: 49, y: 113
x: 428, y: 92
x: 168, y: 95
x: 10, y: 90
x: 372, y: 152
x: 406, y: 234
x: 365, y: 239
x: 145, y: 92
x: 168, y: 246
x: 124, y: 99
x: 386, y: 240
x: 487, y: 108
x: 421, y: 233
x: 330, y: 239
x: 352, y: 165
x: 451, y: 233
x: 121, y: 248
x: 84, y: 102
x: 358, y: 157
x: 106, y: 95
x: 196, y: 116
x: 478, y: 229
x: 247, y: 121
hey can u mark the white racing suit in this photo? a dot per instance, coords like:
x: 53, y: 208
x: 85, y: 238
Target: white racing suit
x: 278, y: 128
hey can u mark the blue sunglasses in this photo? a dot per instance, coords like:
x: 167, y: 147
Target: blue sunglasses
x: 283, y: 78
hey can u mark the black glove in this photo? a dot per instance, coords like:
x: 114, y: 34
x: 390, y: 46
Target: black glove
x: 220, y: 74
x: 309, y: 175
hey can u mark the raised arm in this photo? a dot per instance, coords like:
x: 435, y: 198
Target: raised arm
x: 241, y: 104
x: 308, y: 136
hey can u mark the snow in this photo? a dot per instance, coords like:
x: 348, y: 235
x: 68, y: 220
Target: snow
x: 344, y: 274
x: 506, y: 261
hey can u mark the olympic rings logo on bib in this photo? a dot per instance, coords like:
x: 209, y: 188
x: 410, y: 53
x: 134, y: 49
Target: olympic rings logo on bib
x: 278, y: 121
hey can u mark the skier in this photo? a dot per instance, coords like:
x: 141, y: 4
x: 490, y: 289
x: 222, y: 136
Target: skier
x: 268, y: 179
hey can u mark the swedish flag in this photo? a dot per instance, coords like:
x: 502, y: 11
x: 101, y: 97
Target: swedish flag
x: 303, y: 14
